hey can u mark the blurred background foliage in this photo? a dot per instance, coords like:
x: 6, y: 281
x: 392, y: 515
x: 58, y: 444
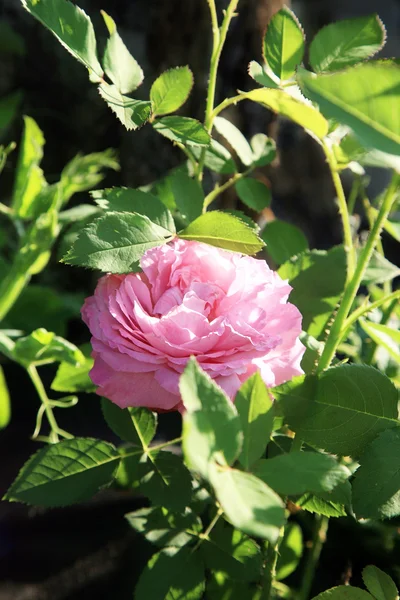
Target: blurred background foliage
x: 89, y: 551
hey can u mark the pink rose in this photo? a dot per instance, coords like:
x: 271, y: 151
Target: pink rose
x: 229, y: 311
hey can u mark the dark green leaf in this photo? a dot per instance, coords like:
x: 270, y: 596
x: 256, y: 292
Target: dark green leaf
x: 134, y: 425
x: 300, y: 472
x: 290, y: 551
x: 255, y: 411
x: 224, y: 231
x: 283, y: 46
x: 381, y: 585
x: 172, y: 574
x: 131, y: 200
x: 188, y: 195
x: 72, y: 27
x: 344, y: 592
x: 328, y: 504
x: 184, y: 130
x: 221, y: 587
x: 119, y: 64
x: 346, y: 43
x: 8, y: 109
x: 283, y: 240
x: 132, y: 113
x: 171, y: 90
x: 164, y: 528
x: 115, y: 242
x: 211, y: 425
x: 376, y: 483
x: 255, y: 194
x: 235, y: 139
x: 65, y: 473
x: 365, y: 98
x: 5, y: 405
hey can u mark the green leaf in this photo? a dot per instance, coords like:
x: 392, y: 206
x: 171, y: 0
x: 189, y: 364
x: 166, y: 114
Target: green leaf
x: 188, y: 132
x: 364, y: 98
x: 254, y: 406
x: 74, y: 378
x: 73, y: 29
x: 115, y: 243
x: 283, y: 240
x: 381, y: 585
x: 264, y: 150
x: 235, y: 139
x: 171, y: 90
x: 259, y: 74
x: 255, y: 194
x: 220, y: 587
x: 224, y: 231
x: 379, y: 270
x: 217, y: 158
x: 285, y: 105
x: 132, y: 113
x: 119, y: 64
x: 384, y: 336
x: 329, y: 504
x: 65, y: 473
x: 9, y: 106
x: 300, y: 472
x: 342, y: 410
x: 344, y: 592
x: 172, y: 574
x: 283, y: 46
x: 315, y: 294
x: 188, y: 195
x: 232, y: 552
x: 164, y: 528
x: 379, y: 464
x: 82, y: 212
x: 5, y: 405
x: 346, y: 43
x: 290, y: 551
x: 211, y: 425
x: 29, y: 179
x: 34, y: 250
x: 134, y: 425
x: 43, y: 346
x: 249, y: 504
x: 131, y: 200
x: 165, y: 480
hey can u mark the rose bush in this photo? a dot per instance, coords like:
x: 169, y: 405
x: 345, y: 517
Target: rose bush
x: 229, y: 311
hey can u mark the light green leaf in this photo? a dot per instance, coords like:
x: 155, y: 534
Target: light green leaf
x: 290, y: 551
x: 82, y: 212
x: 300, y: 472
x: 164, y: 528
x: 376, y: 482
x: 119, y: 64
x: 249, y: 504
x: 384, y: 336
x: 29, y: 180
x: 254, y: 406
x: 43, y: 346
x: 283, y: 240
x: 328, y: 504
x: 346, y: 43
x: 365, y: 98
x: 344, y: 592
x: 132, y: 200
x: 264, y: 150
x: 379, y: 270
x: 381, y: 585
x: 232, y: 552
x: 255, y: 194
x: 34, y: 250
x: 172, y: 574
x: 188, y: 195
x: 342, y: 410
x: 8, y: 109
x: 188, y: 132
x: 65, y: 473
x: 285, y: 105
x: 74, y: 378
x: 5, y: 405
x: 224, y: 231
x: 259, y: 74
x: 217, y: 158
x: 283, y: 46
x: 132, y: 113
x: 235, y: 139
x: 73, y: 29
x: 314, y: 294
x: 171, y: 90
x: 211, y: 425
x: 134, y: 425
x: 115, y: 242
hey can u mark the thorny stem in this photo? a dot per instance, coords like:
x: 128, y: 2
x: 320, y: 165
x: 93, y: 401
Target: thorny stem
x: 206, y: 534
x: 319, y: 537
x: 271, y: 560
x: 219, y: 189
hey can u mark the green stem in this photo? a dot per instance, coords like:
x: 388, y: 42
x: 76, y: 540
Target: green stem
x: 355, y: 188
x: 319, y: 537
x: 219, y: 37
x: 343, y: 209
x: 296, y: 444
x: 271, y: 561
x: 206, y: 534
x: 352, y: 287
x: 188, y: 154
x: 219, y: 189
x: 165, y: 444
x: 362, y: 310
x: 37, y: 382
